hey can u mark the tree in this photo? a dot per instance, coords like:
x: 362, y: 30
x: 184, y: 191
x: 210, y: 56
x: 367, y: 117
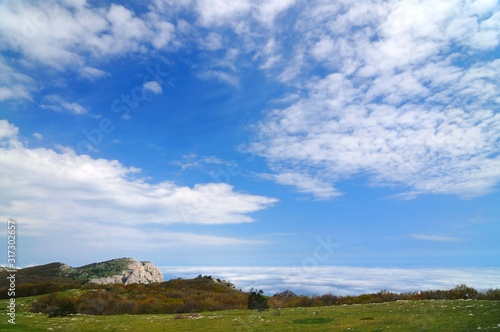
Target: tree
x: 257, y: 300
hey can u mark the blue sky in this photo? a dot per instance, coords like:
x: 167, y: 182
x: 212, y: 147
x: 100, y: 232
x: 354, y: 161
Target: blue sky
x: 252, y: 133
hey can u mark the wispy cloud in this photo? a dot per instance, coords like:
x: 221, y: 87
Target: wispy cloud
x: 92, y: 74
x: 14, y: 85
x: 58, y: 104
x: 107, y: 191
x: 212, y: 42
x: 140, y: 239
x: 220, y: 75
x: 305, y: 183
x: 433, y: 237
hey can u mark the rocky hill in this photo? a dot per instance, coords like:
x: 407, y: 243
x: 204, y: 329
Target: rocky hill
x: 132, y: 272
x: 122, y: 271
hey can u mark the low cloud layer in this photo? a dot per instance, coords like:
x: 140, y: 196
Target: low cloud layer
x: 343, y: 280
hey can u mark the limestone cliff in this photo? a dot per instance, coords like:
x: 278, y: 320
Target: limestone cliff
x: 135, y: 272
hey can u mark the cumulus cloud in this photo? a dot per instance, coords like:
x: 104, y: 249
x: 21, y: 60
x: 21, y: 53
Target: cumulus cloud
x: 58, y: 104
x: 395, y: 100
x: 153, y: 87
x: 76, y: 194
x: 48, y: 31
x: 221, y: 11
x: 8, y: 132
x: 105, y: 190
x: 67, y: 35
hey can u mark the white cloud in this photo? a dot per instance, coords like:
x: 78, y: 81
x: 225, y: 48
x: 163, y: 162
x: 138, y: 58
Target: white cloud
x: 403, y: 93
x: 323, y: 49
x: 37, y: 136
x: 305, y: 183
x: 219, y: 12
x: 104, y: 191
x: 243, y: 18
x: 270, y: 54
x: 13, y: 84
x: 66, y: 35
x: 342, y: 280
x: 212, y: 42
x: 58, y: 103
x: 8, y: 132
x: 91, y: 73
x: 395, y: 102
x: 268, y: 10
x: 224, y: 69
x: 223, y: 76
x: 239, y: 13
x: 433, y: 237
x: 74, y: 34
x: 482, y: 7
x: 153, y: 87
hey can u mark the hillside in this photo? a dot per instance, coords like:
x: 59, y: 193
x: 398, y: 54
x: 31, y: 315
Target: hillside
x: 52, y: 277
x: 173, y: 296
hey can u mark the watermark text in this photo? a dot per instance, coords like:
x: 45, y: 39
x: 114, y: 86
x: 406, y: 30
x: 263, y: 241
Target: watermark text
x: 11, y: 269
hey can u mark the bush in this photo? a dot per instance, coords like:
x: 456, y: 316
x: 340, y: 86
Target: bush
x: 66, y: 307
x: 54, y: 305
x: 329, y: 299
x: 462, y: 292
x: 256, y: 300
x: 491, y: 294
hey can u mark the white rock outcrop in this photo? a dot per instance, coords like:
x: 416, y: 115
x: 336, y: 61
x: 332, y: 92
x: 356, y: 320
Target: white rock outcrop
x: 135, y: 273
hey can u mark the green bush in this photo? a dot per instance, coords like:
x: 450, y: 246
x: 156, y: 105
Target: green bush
x: 256, y: 300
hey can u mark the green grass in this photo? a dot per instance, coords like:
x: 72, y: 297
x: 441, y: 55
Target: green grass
x: 427, y: 315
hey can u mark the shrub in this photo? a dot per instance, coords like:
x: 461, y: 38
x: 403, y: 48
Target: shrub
x: 127, y: 307
x: 462, y: 292
x: 256, y: 300
x: 329, y: 299
x: 491, y: 294
x: 54, y: 305
x: 65, y: 307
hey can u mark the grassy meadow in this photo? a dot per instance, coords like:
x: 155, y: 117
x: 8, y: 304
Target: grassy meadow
x: 423, y: 315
